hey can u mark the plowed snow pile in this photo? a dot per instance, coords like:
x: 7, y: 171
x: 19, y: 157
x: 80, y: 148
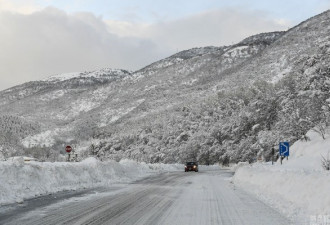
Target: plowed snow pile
x: 300, y: 188
x: 20, y: 180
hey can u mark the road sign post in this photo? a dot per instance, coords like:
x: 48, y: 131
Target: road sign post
x: 72, y: 155
x: 284, y: 149
x: 68, y: 149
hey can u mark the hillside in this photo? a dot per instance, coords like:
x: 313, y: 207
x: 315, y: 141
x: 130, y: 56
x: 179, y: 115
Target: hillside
x: 213, y: 104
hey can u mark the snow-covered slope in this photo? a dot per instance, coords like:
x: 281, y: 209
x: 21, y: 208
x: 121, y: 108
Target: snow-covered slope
x: 282, y: 56
x: 99, y: 74
x: 300, y: 187
x: 62, y: 82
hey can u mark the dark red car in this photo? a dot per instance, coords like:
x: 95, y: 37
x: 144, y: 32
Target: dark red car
x: 191, y: 166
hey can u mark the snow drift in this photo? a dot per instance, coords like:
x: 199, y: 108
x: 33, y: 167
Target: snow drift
x: 300, y: 187
x: 20, y: 180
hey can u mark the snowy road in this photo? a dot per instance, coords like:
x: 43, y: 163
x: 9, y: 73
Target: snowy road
x: 191, y: 198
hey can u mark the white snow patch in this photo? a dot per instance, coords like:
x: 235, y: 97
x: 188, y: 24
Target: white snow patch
x: 84, y: 105
x: 95, y: 74
x: 45, y: 138
x: 110, y: 115
x: 189, y: 82
x: 236, y: 52
x: 149, y: 88
x: 167, y: 62
x: 52, y: 95
x: 62, y: 77
x: 280, y: 75
x: 255, y: 127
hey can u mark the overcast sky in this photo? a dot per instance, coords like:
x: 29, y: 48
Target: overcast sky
x: 40, y: 38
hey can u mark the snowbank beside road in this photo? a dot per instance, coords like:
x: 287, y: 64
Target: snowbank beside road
x: 300, y: 187
x: 20, y: 180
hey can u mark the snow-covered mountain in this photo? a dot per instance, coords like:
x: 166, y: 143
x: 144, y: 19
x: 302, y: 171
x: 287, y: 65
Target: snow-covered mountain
x: 212, y: 103
x: 100, y: 75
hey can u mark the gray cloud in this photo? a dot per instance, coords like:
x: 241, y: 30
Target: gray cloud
x: 219, y: 27
x: 51, y: 41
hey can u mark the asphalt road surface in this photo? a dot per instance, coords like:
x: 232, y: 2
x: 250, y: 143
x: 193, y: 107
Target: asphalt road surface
x: 206, y: 197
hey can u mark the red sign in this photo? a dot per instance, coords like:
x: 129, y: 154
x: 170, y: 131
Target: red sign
x: 68, y: 148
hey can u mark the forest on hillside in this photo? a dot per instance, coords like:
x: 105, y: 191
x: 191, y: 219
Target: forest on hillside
x: 242, y: 124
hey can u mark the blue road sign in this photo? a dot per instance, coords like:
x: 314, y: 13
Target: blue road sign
x: 284, y: 149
